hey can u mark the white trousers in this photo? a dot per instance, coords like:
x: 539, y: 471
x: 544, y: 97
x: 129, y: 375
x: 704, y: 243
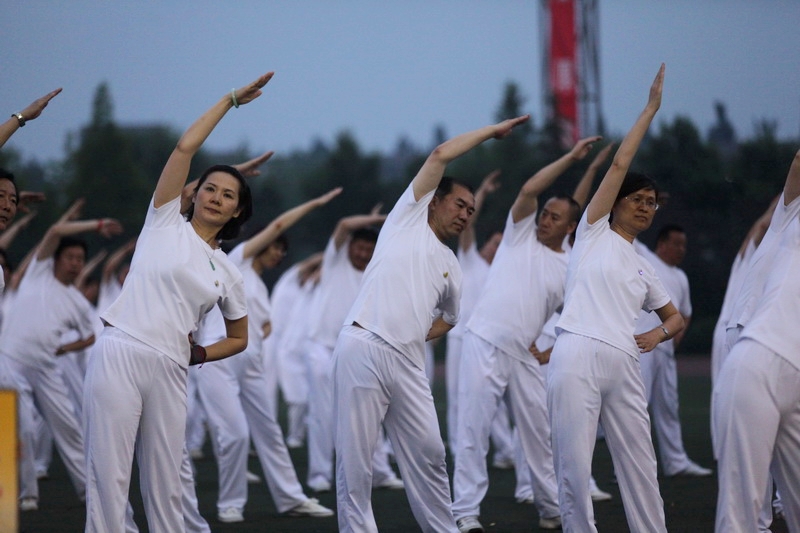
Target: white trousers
x: 660, y: 377
x: 235, y: 393
x: 757, y: 426
x: 132, y: 388
x: 321, y: 422
x: 591, y: 380
x: 45, y: 387
x: 374, y: 384
x: 487, y: 377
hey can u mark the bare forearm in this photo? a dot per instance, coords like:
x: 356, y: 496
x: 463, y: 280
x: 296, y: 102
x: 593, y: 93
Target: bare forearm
x: 438, y: 329
x: 75, y: 346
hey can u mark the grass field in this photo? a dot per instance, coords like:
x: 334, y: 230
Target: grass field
x: 689, y: 502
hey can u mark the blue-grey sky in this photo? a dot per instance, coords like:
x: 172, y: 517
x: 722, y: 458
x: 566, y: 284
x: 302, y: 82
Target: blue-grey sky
x: 381, y: 69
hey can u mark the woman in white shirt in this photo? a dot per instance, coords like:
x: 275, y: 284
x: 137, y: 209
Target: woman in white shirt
x: 594, y: 368
x: 135, y: 393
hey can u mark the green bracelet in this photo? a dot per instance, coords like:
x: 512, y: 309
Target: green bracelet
x: 233, y: 98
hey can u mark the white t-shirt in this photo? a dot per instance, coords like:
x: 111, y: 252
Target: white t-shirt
x: 337, y: 290
x: 174, y: 280
x: 677, y: 284
x: 44, y: 311
x: 412, y: 275
x: 761, y: 263
x: 608, y: 283
x: 474, y: 270
x: 524, y: 288
x: 212, y: 327
x: 775, y: 317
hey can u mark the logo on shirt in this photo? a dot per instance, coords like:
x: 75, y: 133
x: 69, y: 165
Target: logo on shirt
x: 445, y: 274
x: 641, y: 273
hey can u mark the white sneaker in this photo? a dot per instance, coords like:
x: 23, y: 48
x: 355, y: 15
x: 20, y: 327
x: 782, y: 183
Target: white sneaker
x: 29, y: 504
x: 310, y: 507
x: 695, y: 470
x: 230, y: 515
x: 293, y: 443
x: 503, y: 463
x: 320, y: 486
x: 525, y: 499
x: 253, y: 478
x: 394, y: 483
x: 550, y: 523
x: 600, y: 495
x: 469, y: 524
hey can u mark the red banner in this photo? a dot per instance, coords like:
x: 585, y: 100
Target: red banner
x: 564, y: 67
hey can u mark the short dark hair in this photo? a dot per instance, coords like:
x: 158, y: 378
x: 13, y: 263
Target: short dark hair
x: 368, y: 234
x: 6, y: 175
x: 636, y: 181
x: 283, y: 240
x: 70, y: 242
x: 231, y: 228
x: 664, y: 232
x: 446, y: 187
x: 574, y: 206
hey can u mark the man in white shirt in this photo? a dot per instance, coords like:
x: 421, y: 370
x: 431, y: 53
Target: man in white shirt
x: 46, y: 306
x: 409, y: 294
x: 524, y: 288
x: 659, y: 371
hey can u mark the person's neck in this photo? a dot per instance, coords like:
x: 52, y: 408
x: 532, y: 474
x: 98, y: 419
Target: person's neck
x: 206, y: 233
x: 622, y: 232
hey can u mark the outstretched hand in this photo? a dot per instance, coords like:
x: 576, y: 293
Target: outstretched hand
x: 489, y: 183
x: 29, y: 197
x: 35, y: 109
x: 601, y: 156
x: 503, y: 129
x: 249, y: 169
x: 250, y: 92
x: 376, y: 209
x: 654, y: 100
x: 328, y: 196
x: 108, y: 227
x: 583, y: 147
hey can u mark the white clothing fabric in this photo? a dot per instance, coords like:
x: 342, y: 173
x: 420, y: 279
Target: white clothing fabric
x: 412, y: 278
x: 525, y: 286
x: 383, y: 385
x: 58, y: 308
x: 757, y: 421
x: 607, y: 278
x: 175, y: 279
x: 594, y: 373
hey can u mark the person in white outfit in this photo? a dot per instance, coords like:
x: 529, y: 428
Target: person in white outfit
x: 46, y: 306
x: 474, y: 268
x: 410, y: 293
x: 234, y: 391
x: 135, y: 392
x: 756, y: 398
x: 659, y: 369
x: 346, y: 255
x: 594, y: 366
x: 524, y: 288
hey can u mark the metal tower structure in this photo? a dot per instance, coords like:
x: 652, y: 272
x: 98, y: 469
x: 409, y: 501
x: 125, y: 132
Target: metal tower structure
x: 569, y: 31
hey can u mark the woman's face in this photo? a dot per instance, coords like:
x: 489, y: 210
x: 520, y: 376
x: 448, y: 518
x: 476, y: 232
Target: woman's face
x: 8, y: 203
x: 217, y: 199
x: 634, y: 213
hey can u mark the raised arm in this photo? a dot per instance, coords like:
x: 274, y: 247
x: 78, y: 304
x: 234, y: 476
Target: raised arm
x: 348, y: 225
x: 8, y: 236
x: 89, y: 267
x: 603, y: 199
x: 791, y: 188
x: 527, y: 199
x: 584, y: 186
x: 487, y: 187
x: 248, y: 169
x: 284, y: 221
x: 107, y: 227
x: 17, y: 120
x: 173, y: 177
x: 433, y: 169
x: 116, y: 258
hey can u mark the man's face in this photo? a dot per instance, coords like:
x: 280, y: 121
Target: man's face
x: 449, y: 215
x: 69, y: 264
x: 360, y: 253
x: 554, y: 223
x: 672, y: 250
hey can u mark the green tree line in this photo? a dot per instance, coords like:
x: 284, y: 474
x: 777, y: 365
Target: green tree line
x: 716, y: 185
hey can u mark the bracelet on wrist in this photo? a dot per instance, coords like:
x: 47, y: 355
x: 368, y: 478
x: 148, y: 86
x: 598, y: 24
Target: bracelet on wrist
x: 233, y: 98
x: 100, y: 224
x: 20, y: 119
x: 666, y: 332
